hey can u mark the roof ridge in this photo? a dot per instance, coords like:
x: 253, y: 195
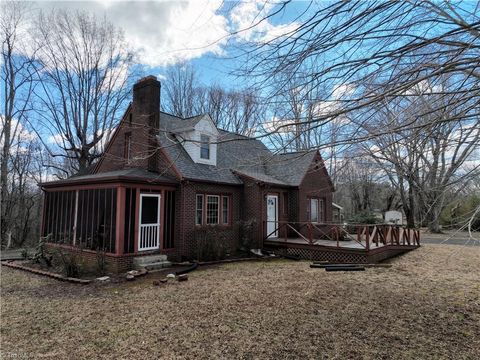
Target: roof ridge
x: 297, y: 152
x: 234, y: 133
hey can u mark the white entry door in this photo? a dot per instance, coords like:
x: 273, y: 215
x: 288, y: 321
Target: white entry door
x: 272, y: 216
x: 149, y: 227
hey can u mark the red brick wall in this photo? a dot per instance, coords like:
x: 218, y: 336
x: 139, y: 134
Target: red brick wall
x: 187, y: 229
x: 316, y: 183
x: 141, y: 121
x: 254, y: 206
x: 88, y: 259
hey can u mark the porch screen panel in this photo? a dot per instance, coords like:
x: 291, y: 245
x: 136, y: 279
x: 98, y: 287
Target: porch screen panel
x: 59, y: 210
x: 129, y: 223
x: 96, y: 219
x: 169, y: 220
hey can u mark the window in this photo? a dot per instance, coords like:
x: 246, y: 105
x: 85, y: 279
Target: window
x: 213, y: 207
x: 313, y: 210
x: 127, y: 152
x: 204, y: 147
x: 199, y: 210
x: 316, y: 208
x: 225, y: 210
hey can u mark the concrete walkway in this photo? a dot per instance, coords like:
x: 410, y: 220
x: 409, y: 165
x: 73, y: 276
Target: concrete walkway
x: 14, y: 254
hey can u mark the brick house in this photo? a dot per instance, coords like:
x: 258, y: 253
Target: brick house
x: 165, y: 183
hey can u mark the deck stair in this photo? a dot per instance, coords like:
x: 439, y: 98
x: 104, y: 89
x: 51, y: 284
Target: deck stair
x: 151, y: 262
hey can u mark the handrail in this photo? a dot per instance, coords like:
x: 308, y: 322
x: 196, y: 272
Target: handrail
x: 366, y: 234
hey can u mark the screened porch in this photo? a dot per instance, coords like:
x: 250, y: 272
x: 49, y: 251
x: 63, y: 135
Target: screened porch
x: 113, y: 217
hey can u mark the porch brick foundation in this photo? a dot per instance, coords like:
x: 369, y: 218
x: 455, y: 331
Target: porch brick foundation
x: 88, y: 259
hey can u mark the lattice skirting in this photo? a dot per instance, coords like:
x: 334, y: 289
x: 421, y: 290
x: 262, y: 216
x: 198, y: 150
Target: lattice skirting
x: 331, y: 256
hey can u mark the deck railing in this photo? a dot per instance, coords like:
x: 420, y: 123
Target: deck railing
x: 367, y: 235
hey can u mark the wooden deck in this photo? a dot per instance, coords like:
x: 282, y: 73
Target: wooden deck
x: 334, y: 242
x: 344, y: 244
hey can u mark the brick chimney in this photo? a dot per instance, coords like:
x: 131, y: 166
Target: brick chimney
x: 146, y: 114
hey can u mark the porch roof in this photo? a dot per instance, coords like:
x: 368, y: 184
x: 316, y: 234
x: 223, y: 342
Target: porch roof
x: 132, y: 175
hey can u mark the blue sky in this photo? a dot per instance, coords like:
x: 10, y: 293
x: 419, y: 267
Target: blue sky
x: 164, y: 33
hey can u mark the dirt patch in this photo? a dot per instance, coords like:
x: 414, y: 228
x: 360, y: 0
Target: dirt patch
x: 427, y: 305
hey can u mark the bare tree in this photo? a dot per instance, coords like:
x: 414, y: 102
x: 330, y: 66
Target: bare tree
x: 385, y: 53
x: 428, y: 162
x: 16, y: 87
x: 239, y: 111
x: 84, y: 77
x: 379, y: 49
x: 183, y: 98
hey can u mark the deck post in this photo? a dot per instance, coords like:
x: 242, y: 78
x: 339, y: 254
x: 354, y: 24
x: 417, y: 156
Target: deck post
x: 367, y: 237
x: 337, y: 235
x: 310, y: 233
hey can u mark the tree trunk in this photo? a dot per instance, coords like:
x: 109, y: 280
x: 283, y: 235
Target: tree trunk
x: 433, y: 219
x: 4, y: 180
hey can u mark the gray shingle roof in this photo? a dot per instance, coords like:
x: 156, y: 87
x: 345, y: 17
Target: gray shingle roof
x: 191, y: 170
x: 236, y: 154
x: 133, y: 174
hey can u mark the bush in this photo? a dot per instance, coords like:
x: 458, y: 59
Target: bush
x: 71, y: 263
x: 101, y: 261
x: 40, y: 252
x: 247, y: 229
x: 365, y: 218
x: 211, y: 244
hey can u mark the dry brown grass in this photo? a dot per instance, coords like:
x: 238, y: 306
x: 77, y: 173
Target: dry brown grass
x: 427, y: 305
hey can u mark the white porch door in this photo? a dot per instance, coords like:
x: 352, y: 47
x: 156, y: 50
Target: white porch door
x: 149, y: 227
x: 272, y: 216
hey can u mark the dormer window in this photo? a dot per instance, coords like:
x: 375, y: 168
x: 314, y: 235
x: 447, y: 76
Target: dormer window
x: 200, y: 139
x: 204, y: 147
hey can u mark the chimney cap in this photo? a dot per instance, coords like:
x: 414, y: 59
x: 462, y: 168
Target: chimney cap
x: 146, y: 81
x: 147, y: 78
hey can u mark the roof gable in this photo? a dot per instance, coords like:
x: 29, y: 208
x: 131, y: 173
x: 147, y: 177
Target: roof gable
x: 237, y: 155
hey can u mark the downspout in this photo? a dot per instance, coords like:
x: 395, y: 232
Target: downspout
x: 182, y: 217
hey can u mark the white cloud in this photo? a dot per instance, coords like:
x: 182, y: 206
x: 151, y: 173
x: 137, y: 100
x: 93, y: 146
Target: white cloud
x: 424, y: 87
x: 342, y: 91
x: 56, y: 139
x: 162, y: 33
x: 19, y: 132
x: 280, y: 126
x: 246, y: 18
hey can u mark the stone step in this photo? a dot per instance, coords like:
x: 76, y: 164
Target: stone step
x: 142, y: 261
x: 158, y: 265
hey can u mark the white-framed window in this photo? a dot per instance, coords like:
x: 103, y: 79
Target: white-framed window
x: 321, y: 210
x: 204, y: 147
x: 316, y: 209
x: 199, y: 210
x: 225, y: 210
x: 313, y: 204
x: 213, y: 209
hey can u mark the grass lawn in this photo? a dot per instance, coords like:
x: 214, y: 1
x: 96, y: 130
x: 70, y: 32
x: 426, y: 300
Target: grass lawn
x: 427, y: 305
